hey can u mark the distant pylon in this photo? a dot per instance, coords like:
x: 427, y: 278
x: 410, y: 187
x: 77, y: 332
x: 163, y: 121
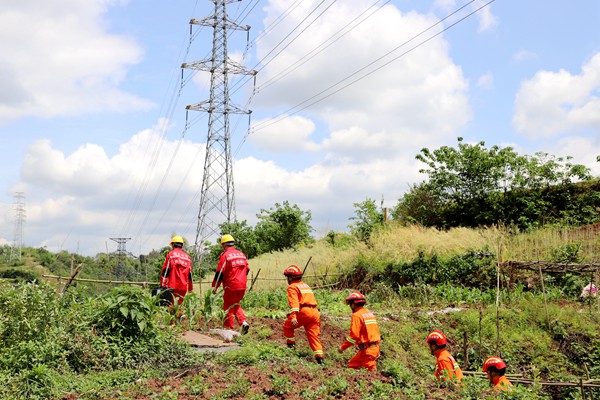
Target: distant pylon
x: 121, y: 267
x: 19, y: 207
x: 217, y: 199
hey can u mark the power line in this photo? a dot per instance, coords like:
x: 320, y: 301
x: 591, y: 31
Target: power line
x: 301, y: 106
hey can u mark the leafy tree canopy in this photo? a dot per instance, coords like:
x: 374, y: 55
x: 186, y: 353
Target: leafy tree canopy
x: 283, y: 227
x: 367, y: 218
x: 471, y: 185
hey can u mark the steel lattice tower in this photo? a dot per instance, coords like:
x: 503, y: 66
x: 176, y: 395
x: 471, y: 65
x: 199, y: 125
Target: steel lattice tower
x: 19, y: 207
x: 217, y: 199
x: 121, y: 267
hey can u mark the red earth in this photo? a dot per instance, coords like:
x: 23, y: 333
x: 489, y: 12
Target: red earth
x: 213, y: 380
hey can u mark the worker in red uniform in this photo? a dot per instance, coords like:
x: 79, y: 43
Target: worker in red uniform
x: 232, y: 273
x: 176, y: 272
x: 446, y: 367
x: 364, y: 334
x: 496, y: 368
x: 303, y: 312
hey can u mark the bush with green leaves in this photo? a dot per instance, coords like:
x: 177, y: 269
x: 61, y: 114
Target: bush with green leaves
x: 126, y: 312
x: 472, y: 269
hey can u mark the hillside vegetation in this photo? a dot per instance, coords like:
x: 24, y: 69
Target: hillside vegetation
x: 118, y: 343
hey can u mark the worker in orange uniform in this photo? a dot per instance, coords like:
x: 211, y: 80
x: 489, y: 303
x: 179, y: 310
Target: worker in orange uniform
x: 446, y: 367
x: 496, y: 368
x: 176, y: 272
x: 303, y: 312
x: 364, y: 334
x: 232, y: 272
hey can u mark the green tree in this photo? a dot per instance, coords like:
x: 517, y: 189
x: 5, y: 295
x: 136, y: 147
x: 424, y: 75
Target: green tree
x: 283, y: 227
x: 472, y: 185
x: 368, y: 218
x: 245, y: 237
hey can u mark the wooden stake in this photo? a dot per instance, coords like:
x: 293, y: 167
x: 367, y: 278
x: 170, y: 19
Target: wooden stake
x: 254, y: 280
x: 544, y: 293
x: 73, y: 275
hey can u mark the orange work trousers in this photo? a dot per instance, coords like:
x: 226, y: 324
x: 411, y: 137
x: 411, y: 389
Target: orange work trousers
x: 308, y: 318
x: 366, y: 358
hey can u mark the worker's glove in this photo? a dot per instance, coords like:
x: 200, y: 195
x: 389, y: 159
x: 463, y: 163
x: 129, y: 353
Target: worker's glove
x: 214, y: 291
x: 294, y: 322
x: 340, y: 350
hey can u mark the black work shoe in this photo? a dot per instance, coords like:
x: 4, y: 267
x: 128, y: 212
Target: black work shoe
x: 245, y: 327
x: 291, y: 346
x: 320, y: 360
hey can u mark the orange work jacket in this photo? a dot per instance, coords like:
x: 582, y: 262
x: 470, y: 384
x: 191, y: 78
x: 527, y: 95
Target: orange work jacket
x: 501, y: 384
x: 300, y: 295
x: 446, y: 366
x: 363, y: 329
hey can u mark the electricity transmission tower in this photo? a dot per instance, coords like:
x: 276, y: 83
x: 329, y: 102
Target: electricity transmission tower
x: 217, y: 200
x: 121, y: 267
x: 19, y: 207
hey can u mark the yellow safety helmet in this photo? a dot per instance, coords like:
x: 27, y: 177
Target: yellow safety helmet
x: 227, y: 239
x: 176, y: 239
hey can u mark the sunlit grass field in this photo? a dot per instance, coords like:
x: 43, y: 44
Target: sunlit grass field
x: 397, y: 243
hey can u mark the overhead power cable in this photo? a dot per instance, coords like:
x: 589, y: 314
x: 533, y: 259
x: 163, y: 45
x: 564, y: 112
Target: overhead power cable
x: 325, y: 44
x: 303, y: 105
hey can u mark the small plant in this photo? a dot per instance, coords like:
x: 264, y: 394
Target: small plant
x: 126, y: 312
x: 196, y: 386
x: 238, y: 388
x: 280, y: 385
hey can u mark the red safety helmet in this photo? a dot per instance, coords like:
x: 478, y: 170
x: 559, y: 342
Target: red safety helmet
x: 437, y: 337
x: 356, y: 297
x: 493, y: 361
x: 293, y: 271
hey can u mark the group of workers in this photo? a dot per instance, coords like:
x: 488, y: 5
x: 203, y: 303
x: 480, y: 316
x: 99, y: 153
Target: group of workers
x: 232, y: 271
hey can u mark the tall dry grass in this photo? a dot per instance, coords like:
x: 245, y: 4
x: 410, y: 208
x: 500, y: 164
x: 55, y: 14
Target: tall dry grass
x: 403, y: 243
x: 540, y: 244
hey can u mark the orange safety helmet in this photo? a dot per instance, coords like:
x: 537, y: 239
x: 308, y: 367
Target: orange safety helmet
x: 293, y: 271
x: 356, y: 297
x: 493, y: 361
x: 437, y: 337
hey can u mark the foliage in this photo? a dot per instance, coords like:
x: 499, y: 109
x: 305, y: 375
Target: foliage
x: 19, y: 275
x: 472, y: 185
x: 125, y: 313
x: 474, y: 268
x: 246, y: 239
x: 367, y: 218
x: 283, y: 227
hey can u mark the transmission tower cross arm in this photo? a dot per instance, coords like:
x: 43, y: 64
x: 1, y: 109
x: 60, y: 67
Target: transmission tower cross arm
x: 230, y: 66
x: 211, y: 21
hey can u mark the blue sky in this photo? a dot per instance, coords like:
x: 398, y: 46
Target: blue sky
x: 92, y: 111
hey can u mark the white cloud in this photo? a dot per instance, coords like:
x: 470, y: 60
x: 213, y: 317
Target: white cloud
x: 98, y: 196
x: 487, y: 20
x: 408, y: 100
x: 524, y: 55
x: 486, y: 81
x: 364, y: 138
x: 552, y: 103
x: 584, y: 150
x: 64, y: 62
x: 291, y: 134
